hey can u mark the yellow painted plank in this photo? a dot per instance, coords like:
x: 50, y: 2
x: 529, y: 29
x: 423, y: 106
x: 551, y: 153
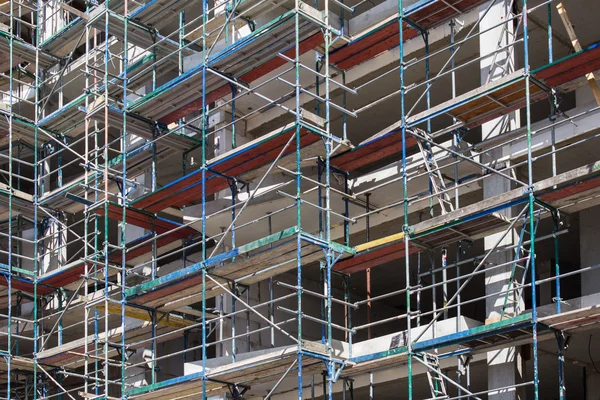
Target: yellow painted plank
x: 577, y: 46
x: 379, y: 242
x: 73, y: 10
x: 165, y: 319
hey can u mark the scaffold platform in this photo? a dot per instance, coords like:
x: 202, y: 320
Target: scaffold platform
x: 245, y: 264
x: 244, y: 163
x: 475, y: 107
x: 244, y: 373
x: 422, y: 15
x: 260, y: 50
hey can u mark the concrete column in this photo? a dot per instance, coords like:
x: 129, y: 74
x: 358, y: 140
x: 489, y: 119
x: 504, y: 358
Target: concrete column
x: 28, y: 249
x: 224, y: 349
x: 54, y: 250
x: 504, y: 366
x: 133, y: 232
x: 138, y: 376
x: 54, y: 18
x: 223, y: 138
x: 589, y: 255
x: 589, y: 250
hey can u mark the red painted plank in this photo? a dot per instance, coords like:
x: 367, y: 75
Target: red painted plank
x: 388, y: 37
x: 250, y: 160
x: 115, y: 256
x: 166, y: 197
x: 149, y: 222
x: 256, y: 157
x: 372, y: 151
x: 571, y: 190
x: 188, y: 195
x: 260, y: 158
x: 371, y: 50
x: 57, y: 279
x: 24, y: 286
x: 145, y: 202
x: 159, y: 227
x: 188, y: 189
x: 374, y: 263
x: 368, y: 256
x: 61, y: 279
x: 169, y: 289
x: 571, y: 68
x: 356, y: 47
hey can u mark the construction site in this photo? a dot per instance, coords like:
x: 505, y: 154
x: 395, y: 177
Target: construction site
x: 288, y: 199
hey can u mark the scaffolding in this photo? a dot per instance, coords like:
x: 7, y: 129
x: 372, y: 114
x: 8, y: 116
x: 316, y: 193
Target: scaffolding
x: 129, y: 194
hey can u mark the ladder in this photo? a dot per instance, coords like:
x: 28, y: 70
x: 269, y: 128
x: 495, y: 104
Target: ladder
x: 518, y: 275
x: 507, y: 38
x: 437, y: 385
x: 436, y: 180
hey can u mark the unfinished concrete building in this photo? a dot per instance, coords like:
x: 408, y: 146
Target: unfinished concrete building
x: 282, y: 199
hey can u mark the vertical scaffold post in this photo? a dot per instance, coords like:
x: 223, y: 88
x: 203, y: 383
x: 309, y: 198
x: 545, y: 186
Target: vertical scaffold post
x: 105, y: 180
x: 271, y: 293
x: 235, y: 292
x: 368, y: 270
x: 124, y: 186
x: 561, y: 342
x: 556, y: 226
x: 86, y: 226
x: 298, y: 191
x: 527, y: 71
x: 425, y: 36
x: 204, y: 115
x: 405, y: 228
x: 36, y: 193
x: 10, y: 207
x: 328, y: 150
